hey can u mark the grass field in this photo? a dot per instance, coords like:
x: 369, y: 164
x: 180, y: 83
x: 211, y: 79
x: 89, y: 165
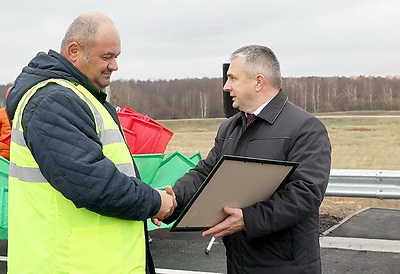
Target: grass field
x: 357, y: 143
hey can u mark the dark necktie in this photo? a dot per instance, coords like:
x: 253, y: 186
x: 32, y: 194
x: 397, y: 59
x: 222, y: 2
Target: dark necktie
x: 249, y: 118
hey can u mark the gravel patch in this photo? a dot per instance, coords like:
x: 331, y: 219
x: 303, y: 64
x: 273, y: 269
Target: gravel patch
x: 326, y: 221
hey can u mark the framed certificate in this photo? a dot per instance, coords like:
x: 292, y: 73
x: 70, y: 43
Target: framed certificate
x: 235, y: 181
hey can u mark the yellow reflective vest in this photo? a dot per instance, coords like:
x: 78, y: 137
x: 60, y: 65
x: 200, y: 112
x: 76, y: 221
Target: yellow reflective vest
x: 46, y: 232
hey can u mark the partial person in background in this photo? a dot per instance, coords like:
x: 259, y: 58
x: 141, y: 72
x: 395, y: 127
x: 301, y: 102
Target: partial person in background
x: 281, y: 234
x: 75, y: 202
x: 5, y: 131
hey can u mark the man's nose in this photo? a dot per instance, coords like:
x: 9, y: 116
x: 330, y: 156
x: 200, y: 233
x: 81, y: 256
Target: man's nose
x: 227, y: 87
x: 113, y: 65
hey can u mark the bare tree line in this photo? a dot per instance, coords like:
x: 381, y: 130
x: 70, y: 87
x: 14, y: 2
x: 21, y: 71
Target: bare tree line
x: 170, y: 99
x: 202, y: 98
x: 326, y: 94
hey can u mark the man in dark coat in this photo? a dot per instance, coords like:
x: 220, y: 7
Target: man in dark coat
x: 281, y: 234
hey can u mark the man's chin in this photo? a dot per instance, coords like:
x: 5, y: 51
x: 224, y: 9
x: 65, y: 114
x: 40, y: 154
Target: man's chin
x: 103, y: 84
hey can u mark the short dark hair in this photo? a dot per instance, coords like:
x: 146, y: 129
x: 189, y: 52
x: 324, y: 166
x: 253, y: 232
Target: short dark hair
x: 260, y: 59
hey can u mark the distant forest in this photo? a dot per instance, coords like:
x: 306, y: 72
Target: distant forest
x: 202, y: 98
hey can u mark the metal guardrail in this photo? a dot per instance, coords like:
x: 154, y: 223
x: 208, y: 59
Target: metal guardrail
x: 382, y: 184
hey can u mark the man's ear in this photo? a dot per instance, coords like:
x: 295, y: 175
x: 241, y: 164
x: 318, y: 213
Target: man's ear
x: 261, y: 81
x: 73, y: 51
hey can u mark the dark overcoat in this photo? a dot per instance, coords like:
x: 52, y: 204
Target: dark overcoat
x: 281, y: 234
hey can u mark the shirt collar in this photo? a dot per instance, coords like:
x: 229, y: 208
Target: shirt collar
x: 257, y: 111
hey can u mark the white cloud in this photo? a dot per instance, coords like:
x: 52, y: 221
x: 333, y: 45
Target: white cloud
x: 177, y: 39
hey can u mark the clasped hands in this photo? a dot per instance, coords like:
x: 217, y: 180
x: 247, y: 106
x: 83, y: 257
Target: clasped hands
x: 168, y: 205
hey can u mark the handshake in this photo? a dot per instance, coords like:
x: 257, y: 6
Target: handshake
x: 168, y: 205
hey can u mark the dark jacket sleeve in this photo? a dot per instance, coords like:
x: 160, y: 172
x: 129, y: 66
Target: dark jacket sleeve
x: 301, y: 195
x: 60, y: 131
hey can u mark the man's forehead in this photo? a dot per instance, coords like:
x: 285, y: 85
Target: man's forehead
x: 235, y: 66
x: 107, y: 45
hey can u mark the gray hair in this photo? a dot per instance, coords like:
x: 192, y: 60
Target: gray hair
x: 260, y: 60
x: 82, y: 30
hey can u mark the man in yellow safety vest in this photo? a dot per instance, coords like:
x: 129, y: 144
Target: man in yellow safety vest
x: 75, y: 202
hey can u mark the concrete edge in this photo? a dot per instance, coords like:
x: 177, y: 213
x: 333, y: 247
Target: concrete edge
x: 360, y: 244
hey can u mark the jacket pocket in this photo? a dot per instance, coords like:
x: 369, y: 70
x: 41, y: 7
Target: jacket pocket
x: 272, y: 250
x: 285, y: 245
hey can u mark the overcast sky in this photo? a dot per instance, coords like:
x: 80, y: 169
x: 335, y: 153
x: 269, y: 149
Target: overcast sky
x: 192, y: 38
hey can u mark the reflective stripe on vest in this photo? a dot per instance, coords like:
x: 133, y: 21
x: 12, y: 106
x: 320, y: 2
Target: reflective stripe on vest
x: 47, y: 233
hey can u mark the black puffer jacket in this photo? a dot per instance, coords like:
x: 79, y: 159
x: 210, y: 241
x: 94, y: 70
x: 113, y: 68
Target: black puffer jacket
x: 282, y: 233
x: 59, y: 129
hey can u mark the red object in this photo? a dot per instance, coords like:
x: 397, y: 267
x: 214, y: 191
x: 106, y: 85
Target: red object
x: 6, y: 140
x: 130, y: 137
x: 143, y: 134
x: 125, y: 119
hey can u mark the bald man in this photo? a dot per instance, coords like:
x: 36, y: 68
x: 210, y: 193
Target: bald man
x: 76, y: 204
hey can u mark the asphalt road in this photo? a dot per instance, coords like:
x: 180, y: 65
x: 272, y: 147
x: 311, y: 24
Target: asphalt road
x: 367, y: 242
x: 184, y: 251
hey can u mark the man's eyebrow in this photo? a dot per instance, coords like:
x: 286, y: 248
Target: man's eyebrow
x: 112, y: 53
